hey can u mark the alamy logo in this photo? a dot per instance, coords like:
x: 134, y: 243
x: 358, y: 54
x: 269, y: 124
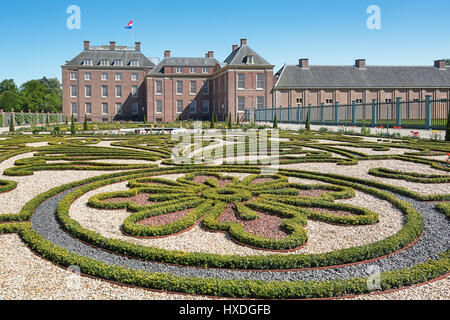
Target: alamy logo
x: 374, y: 20
x: 74, y: 20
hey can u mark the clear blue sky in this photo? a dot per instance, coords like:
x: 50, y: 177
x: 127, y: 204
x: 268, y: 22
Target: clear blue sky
x: 35, y: 41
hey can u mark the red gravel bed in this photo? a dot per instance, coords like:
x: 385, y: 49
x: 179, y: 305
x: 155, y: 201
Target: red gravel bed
x: 202, y: 180
x: 330, y: 211
x: 165, y: 219
x: 140, y: 199
x: 311, y: 193
x: 267, y: 226
x: 262, y: 180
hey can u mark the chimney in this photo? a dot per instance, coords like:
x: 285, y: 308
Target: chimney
x: 112, y: 46
x: 243, y: 42
x: 303, y: 63
x: 87, y: 45
x: 440, y: 64
x: 360, y: 63
x: 167, y: 54
x: 210, y: 54
x: 235, y: 47
x: 138, y: 47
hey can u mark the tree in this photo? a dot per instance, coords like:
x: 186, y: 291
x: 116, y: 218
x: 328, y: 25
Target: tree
x: 11, y: 101
x: 447, y: 132
x: 275, y: 122
x: 238, y: 121
x: 47, y: 122
x: 73, y: 129
x: 11, y: 123
x: 66, y: 121
x: 213, y: 121
x: 230, y: 122
x: 308, y: 123
x: 8, y: 85
x: 85, y: 124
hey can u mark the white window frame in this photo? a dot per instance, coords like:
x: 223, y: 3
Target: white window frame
x: 118, y: 77
x: 103, y: 92
x: 103, y: 108
x: 72, y: 105
x: 86, y: 91
x: 73, y: 76
x: 238, y: 105
x: 134, y: 77
x: 72, y: 89
x: 118, y: 63
x: 179, y: 70
x: 88, y: 62
x: 182, y: 106
x: 118, y: 88
x: 104, y: 62
x: 135, y: 91
x: 104, y: 76
x: 119, y: 108
x: 177, y: 91
x: 86, y: 107
x: 192, y: 69
x: 193, y: 107
x: 239, y: 81
x: 259, y: 81
x: 205, y: 88
x: 158, y: 87
x: 88, y: 76
x: 205, y: 106
x: 135, y: 108
x: 193, y: 85
x: 134, y: 63
x: 258, y: 104
x: 205, y: 70
x: 157, y: 103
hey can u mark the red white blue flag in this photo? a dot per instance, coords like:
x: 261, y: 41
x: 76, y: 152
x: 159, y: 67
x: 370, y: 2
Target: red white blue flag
x: 130, y: 25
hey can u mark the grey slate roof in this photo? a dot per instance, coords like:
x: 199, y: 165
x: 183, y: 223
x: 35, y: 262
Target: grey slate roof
x: 238, y: 57
x: 371, y: 77
x: 97, y: 55
x: 184, y: 62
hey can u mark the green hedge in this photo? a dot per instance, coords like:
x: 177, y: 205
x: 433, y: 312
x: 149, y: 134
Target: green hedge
x: 6, y: 185
x: 444, y: 208
x: 409, y: 176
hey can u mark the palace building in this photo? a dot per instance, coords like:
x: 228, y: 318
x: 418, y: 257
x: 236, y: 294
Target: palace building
x: 105, y: 83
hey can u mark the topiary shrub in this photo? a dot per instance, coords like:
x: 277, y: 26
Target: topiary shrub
x: 73, y: 129
x: 308, y: 123
x: 11, y: 124
x: 275, y: 122
x: 447, y: 132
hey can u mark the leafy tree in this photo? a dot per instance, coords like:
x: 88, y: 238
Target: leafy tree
x: 275, y: 122
x: 85, y: 124
x: 73, y: 129
x: 447, y: 132
x: 8, y: 85
x: 11, y: 101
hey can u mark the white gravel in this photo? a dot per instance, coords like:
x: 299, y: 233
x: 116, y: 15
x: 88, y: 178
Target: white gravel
x: 26, y: 276
x: 362, y: 168
x: 322, y: 237
x: 37, y: 144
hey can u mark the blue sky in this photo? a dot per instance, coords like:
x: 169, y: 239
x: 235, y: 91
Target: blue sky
x: 36, y: 42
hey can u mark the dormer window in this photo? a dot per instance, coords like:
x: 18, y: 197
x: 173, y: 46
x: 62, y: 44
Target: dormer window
x: 179, y: 70
x: 118, y: 63
x: 104, y: 62
x: 134, y: 63
x: 87, y: 62
x: 249, y: 60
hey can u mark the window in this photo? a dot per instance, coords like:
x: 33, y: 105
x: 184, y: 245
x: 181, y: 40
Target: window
x: 118, y: 108
x: 259, y: 102
x: 260, y: 81
x: 193, y: 70
x: 74, y: 91
x: 179, y: 70
x: 104, y: 62
x: 87, y: 62
x: 205, y: 88
x: 241, y: 104
x: 104, y: 91
x: 158, y: 106
x: 74, y: 107
x: 119, y: 91
x: 193, y: 87
x: 179, y: 87
x: 134, y: 77
x: 88, y: 108
x: 105, y: 108
x: 193, y: 107
x: 134, y: 91
x: 135, y: 108
x: 359, y: 100
x: 249, y: 60
x: 134, y: 63
x: 205, y: 70
x: 180, y: 106
x: 73, y: 76
x: 205, y: 106
x: 329, y: 101
x: 388, y: 100
x: 88, y: 90
x: 118, y: 77
x: 299, y: 102
x: 158, y: 87
x: 118, y: 63
x: 104, y: 77
x: 241, y: 81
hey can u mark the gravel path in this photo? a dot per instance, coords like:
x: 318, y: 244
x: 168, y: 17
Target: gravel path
x: 434, y: 241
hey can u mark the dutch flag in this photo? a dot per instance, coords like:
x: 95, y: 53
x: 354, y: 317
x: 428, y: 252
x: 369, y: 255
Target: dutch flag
x: 130, y: 25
